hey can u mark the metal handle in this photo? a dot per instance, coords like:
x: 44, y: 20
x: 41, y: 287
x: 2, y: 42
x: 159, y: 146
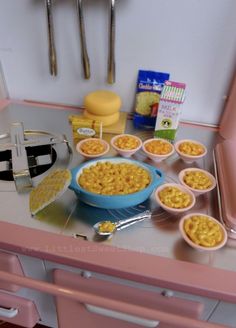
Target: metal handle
x: 20, y: 165
x: 51, y: 43
x: 137, y: 218
x: 84, y: 52
x: 123, y: 316
x: 111, y: 55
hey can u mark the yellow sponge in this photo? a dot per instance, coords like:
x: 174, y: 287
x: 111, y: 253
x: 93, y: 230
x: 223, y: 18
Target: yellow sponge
x: 102, y: 102
x: 106, y: 120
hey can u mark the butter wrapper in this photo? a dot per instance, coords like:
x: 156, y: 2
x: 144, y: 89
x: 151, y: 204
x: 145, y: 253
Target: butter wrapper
x: 83, y: 127
x: 169, y: 111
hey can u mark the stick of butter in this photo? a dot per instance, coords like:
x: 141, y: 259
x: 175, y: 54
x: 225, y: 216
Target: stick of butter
x: 169, y: 110
x: 83, y: 127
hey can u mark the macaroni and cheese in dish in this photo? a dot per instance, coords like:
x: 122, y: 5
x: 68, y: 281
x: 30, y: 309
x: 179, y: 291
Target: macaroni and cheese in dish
x: 173, y: 197
x: 191, y: 148
x: 107, y: 178
x: 127, y: 142
x: 92, y: 147
x: 197, y: 180
x: 203, y: 231
x: 159, y: 147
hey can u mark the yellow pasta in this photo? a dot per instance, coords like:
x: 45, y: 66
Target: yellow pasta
x: 107, y: 178
x: 93, y: 147
x: 174, y: 197
x: 197, y: 180
x: 203, y: 231
x: 158, y: 147
x: 127, y: 142
x: 106, y: 226
x: 191, y: 148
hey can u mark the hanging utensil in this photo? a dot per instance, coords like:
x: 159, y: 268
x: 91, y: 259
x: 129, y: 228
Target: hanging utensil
x: 51, y: 42
x: 84, y: 52
x: 111, y: 55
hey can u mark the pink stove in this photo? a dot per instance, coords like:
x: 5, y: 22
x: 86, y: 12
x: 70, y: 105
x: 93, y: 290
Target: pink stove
x: 60, y: 258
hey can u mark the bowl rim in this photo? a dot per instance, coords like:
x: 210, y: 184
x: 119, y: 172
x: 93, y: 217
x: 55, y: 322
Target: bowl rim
x: 112, y: 142
x: 76, y: 171
x: 171, y: 209
x: 78, y: 149
x: 199, y: 247
x: 177, y: 143
x: 211, y: 176
x: 158, y: 155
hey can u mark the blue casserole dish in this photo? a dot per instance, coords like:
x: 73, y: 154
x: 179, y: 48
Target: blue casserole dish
x: 115, y: 201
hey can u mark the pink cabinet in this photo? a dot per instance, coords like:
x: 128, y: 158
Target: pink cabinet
x: 18, y: 310
x: 85, y: 314
x: 20, y: 305
x: 86, y: 299
x: 10, y: 263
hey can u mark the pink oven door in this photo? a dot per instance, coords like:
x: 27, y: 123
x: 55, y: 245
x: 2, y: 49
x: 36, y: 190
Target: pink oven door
x: 77, y: 314
x: 90, y: 302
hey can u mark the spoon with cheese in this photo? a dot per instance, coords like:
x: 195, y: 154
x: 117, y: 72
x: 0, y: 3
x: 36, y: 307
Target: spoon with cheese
x: 107, y: 228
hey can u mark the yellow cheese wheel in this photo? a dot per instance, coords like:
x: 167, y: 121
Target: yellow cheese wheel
x: 102, y: 102
x: 106, y: 120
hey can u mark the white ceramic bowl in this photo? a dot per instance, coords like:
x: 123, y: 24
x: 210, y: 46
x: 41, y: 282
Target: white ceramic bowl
x: 81, y: 143
x: 197, y: 192
x: 171, y: 209
x: 186, y: 157
x: 126, y: 152
x: 157, y: 157
x: 193, y: 244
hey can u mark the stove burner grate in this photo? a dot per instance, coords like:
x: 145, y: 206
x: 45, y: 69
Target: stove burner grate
x: 29, y: 153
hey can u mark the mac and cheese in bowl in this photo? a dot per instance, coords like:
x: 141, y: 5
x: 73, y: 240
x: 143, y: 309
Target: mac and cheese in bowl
x: 197, y: 180
x: 157, y: 149
x: 190, y: 150
x: 115, y: 182
x: 92, y: 147
x: 107, y: 178
x: 126, y: 145
x: 202, y: 231
x: 174, y: 198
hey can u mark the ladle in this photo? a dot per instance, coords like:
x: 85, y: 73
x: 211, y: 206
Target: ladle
x: 100, y: 227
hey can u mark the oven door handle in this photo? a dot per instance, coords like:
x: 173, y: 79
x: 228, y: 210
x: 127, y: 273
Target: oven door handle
x: 174, y: 320
x: 138, y: 320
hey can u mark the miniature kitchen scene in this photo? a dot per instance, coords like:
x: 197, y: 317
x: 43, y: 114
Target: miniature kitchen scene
x: 117, y: 163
